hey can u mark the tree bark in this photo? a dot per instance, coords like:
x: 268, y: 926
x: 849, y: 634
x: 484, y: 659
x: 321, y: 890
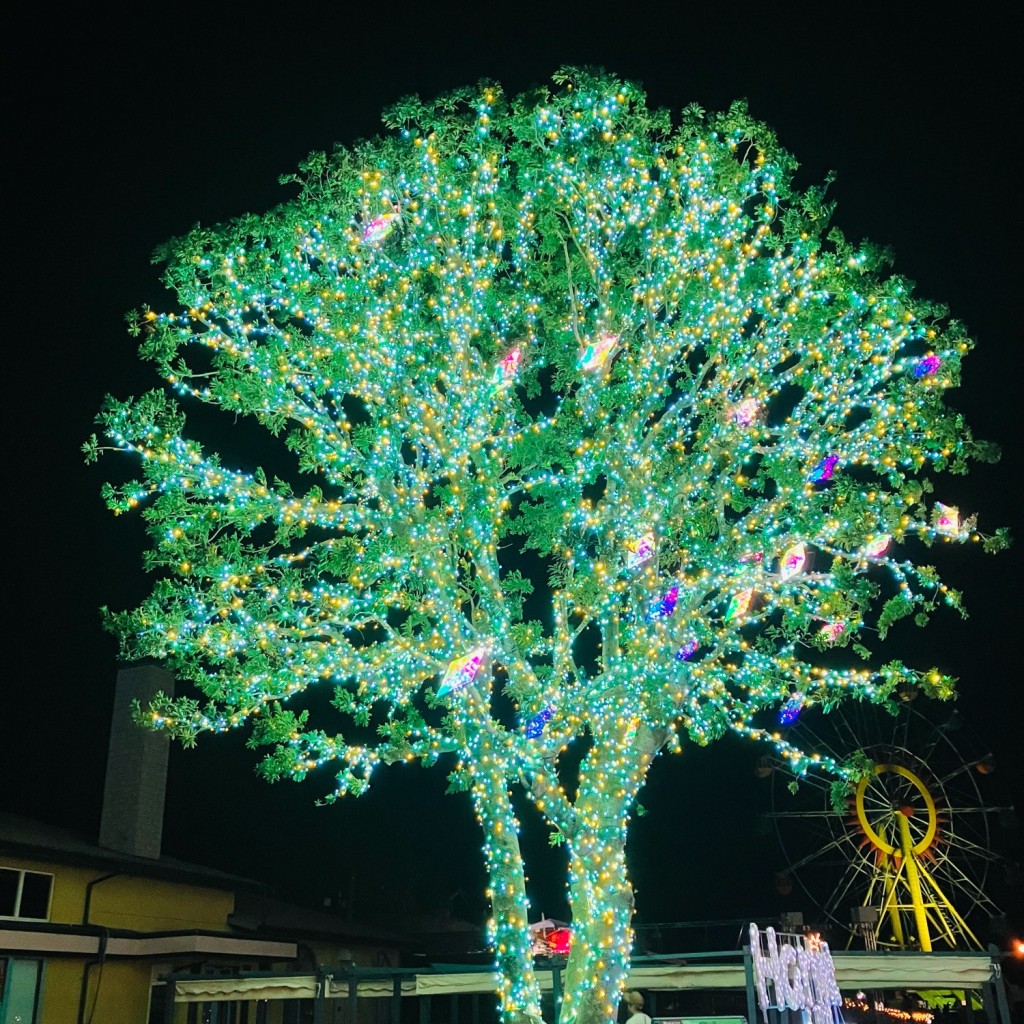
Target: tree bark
x: 600, y: 892
x: 508, y: 929
x: 601, y: 898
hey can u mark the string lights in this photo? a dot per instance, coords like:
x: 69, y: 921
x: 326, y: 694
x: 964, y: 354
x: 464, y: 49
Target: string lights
x: 484, y: 489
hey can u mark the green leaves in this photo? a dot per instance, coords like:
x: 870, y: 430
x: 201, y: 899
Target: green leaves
x: 896, y: 608
x: 998, y: 541
x: 423, y: 499
x: 692, y: 117
x: 277, y: 725
x: 856, y: 767
x: 516, y: 588
x: 459, y: 781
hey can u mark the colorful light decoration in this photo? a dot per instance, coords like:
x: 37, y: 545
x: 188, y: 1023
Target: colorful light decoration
x: 947, y: 519
x: 832, y: 631
x: 796, y: 974
x: 793, y: 561
x: 739, y: 604
x: 876, y: 1009
x: 560, y: 941
x: 927, y: 366
x: 380, y: 227
x: 877, y: 546
x: 597, y: 353
x: 790, y: 711
x: 551, y: 939
x: 508, y: 367
x: 687, y: 651
x: 824, y: 469
x: 665, y: 605
x: 746, y: 412
x: 461, y: 672
x: 640, y: 550
x: 386, y: 563
x: 535, y: 726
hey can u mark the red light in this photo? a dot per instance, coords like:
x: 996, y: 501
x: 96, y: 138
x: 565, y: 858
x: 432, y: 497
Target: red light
x: 558, y: 941
x: 1018, y: 947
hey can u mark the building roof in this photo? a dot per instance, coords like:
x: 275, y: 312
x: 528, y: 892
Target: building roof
x: 256, y: 911
x: 270, y: 916
x: 32, y: 839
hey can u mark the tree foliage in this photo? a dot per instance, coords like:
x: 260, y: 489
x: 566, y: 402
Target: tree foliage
x: 599, y: 431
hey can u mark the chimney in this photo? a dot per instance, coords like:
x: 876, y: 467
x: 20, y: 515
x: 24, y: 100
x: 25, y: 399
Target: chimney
x: 133, y: 796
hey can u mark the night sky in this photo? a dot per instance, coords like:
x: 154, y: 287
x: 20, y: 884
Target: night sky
x: 128, y: 134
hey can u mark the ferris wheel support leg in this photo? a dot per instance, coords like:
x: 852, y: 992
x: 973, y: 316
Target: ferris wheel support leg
x: 943, y: 899
x: 891, y: 902
x: 914, y: 884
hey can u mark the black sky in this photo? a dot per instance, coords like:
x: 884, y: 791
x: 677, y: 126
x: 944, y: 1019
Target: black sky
x: 126, y: 133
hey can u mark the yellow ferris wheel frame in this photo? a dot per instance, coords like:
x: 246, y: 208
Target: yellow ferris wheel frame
x: 929, y: 802
x: 931, y: 908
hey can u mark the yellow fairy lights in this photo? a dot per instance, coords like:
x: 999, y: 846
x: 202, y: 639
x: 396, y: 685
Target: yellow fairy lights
x: 761, y: 383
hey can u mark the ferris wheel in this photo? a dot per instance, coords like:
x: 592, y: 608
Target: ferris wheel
x: 906, y: 859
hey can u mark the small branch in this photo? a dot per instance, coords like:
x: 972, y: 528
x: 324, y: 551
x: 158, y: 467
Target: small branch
x: 572, y: 294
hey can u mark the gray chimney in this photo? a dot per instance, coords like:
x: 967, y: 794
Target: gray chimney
x: 133, y: 796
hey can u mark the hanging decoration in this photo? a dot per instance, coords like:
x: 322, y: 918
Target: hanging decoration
x: 746, y: 412
x: 461, y: 672
x: 790, y: 711
x: 877, y: 546
x: 927, y: 366
x: 823, y: 470
x: 793, y: 561
x: 687, y: 651
x: 380, y: 227
x: 640, y: 550
x: 739, y: 605
x: 946, y: 519
x: 535, y: 726
x: 596, y: 354
x: 665, y: 605
x: 832, y: 631
x: 508, y: 367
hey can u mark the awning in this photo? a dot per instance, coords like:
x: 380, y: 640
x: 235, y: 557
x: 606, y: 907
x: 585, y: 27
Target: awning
x: 220, y: 990
x: 228, y: 989
x: 699, y: 976
x: 853, y: 971
x: 900, y: 970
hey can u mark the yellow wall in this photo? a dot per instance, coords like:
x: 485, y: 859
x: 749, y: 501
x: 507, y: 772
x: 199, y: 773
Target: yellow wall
x: 149, y: 905
x: 120, y: 994
x: 125, y: 901
x: 121, y: 988
x: 131, y: 902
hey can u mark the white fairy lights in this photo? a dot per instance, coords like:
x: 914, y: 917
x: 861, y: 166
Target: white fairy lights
x: 552, y: 328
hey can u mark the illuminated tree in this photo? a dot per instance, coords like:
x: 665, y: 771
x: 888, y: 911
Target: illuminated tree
x: 599, y: 436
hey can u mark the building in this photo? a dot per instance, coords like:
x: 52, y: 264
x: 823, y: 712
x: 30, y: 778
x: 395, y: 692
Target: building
x: 89, y: 929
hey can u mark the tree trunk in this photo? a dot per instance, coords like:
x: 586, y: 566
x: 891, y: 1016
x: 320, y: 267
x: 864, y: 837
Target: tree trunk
x: 601, y: 898
x: 508, y: 929
x: 600, y: 893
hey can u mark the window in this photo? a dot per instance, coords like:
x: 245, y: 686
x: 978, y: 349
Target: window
x: 25, y: 894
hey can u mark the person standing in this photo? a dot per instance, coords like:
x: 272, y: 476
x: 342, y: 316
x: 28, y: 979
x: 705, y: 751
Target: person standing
x: 635, y: 1005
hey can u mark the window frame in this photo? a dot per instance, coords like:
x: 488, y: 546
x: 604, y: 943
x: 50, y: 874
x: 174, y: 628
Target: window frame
x: 19, y: 892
